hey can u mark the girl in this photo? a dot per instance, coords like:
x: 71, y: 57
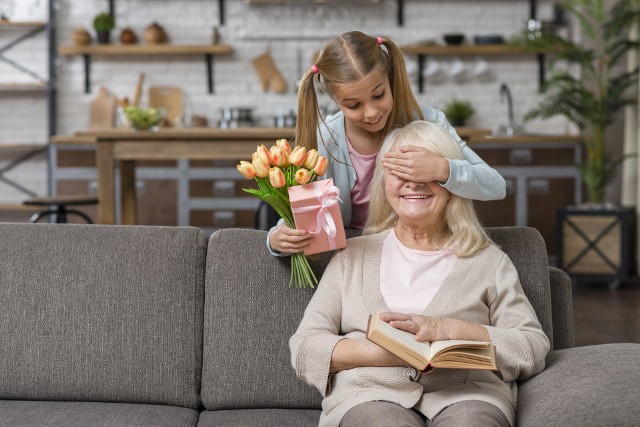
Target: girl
x: 367, y: 79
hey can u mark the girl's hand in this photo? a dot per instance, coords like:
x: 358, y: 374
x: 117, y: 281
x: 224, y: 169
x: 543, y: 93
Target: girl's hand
x: 416, y: 164
x: 289, y: 240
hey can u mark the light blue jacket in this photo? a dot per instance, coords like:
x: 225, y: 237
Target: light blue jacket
x: 471, y: 178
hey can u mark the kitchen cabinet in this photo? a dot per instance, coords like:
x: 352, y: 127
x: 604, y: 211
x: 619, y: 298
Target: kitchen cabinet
x: 541, y: 177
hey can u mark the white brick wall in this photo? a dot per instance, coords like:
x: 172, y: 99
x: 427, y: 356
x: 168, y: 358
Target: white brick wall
x: 289, y: 31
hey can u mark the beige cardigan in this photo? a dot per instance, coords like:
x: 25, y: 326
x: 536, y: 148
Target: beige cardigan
x: 482, y: 289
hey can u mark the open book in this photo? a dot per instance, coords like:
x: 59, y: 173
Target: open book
x: 438, y: 354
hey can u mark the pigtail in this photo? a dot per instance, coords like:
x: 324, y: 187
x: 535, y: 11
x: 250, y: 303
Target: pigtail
x: 406, y: 108
x: 308, y: 113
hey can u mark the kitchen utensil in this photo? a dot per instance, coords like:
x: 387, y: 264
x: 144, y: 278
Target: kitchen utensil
x: 168, y: 98
x: 457, y: 68
x: 236, y: 117
x: 270, y: 76
x: 138, y: 92
x: 480, y: 69
x: 102, y: 110
x: 453, y: 39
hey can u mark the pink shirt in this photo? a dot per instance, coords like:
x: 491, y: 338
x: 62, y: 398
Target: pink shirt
x: 410, y: 278
x: 360, y: 194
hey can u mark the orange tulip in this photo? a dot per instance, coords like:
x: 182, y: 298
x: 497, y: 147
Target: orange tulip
x: 262, y: 169
x: 298, y: 156
x: 302, y: 176
x: 246, y: 169
x: 276, y: 177
x: 321, y: 166
x: 284, y: 144
x: 263, y: 153
x: 277, y: 156
x: 311, y: 159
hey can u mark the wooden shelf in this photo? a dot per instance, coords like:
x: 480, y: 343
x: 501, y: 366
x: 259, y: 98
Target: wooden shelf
x: 15, y: 147
x: 465, y: 50
x: 144, y: 49
x: 24, y: 87
x: 113, y: 50
x: 8, y: 25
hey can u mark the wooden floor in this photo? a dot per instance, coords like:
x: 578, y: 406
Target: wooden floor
x: 604, y: 315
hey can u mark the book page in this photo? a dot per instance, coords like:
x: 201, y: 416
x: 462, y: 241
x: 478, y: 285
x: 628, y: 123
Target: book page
x: 402, y: 339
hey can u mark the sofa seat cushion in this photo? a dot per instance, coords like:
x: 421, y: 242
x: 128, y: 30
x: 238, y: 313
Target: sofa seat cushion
x: 69, y: 414
x: 584, y: 386
x: 260, y: 417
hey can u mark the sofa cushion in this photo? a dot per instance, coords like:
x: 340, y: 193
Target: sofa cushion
x: 250, y: 314
x: 82, y: 414
x: 584, y: 386
x: 101, y: 313
x: 260, y: 417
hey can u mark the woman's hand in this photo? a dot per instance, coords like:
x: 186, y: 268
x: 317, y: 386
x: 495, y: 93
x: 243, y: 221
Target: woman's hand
x: 436, y: 328
x: 416, y: 164
x: 350, y: 353
x: 289, y: 240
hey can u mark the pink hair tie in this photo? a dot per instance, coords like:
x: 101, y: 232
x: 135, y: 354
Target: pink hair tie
x: 314, y: 68
x: 379, y: 41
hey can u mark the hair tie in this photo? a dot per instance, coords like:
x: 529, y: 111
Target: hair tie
x: 314, y: 68
x: 379, y: 41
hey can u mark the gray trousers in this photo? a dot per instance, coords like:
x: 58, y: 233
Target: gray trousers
x: 470, y: 413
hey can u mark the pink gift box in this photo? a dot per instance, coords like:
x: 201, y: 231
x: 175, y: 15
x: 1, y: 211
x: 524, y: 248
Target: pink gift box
x: 316, y: 209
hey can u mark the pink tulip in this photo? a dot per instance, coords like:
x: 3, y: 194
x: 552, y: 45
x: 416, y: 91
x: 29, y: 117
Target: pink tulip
x: 298, y: 156
x: 311, y: 159
x: 246, y: 169
x: 263, y: 153
x: 277, y: 156
x: 302, y: 176
x: 262, y: 169
x: 321, y: 166
x: 284, y: 144
x: 276, y: 177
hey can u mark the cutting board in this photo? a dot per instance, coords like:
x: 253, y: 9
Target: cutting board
x: 102, y: 111
x: 170, y: 99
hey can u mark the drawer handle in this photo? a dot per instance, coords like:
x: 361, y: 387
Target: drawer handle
x: 520, y: 157
x: 539, y: 187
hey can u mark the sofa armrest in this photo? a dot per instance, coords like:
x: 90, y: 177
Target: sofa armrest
x: 561, y: 308
x: 584, y: 386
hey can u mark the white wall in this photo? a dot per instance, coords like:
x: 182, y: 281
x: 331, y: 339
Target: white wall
x: 290, y: 31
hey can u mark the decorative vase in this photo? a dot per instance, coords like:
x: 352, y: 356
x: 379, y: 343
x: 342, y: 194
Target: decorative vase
x: 155, y: 34
x: 81, y: 36
x: 128, y: 36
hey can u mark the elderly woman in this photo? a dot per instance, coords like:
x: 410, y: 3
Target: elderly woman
x: 426, y: 263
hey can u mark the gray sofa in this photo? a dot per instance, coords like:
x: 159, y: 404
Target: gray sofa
x: 162, y: 326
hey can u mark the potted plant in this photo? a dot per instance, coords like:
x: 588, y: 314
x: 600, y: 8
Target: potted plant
x: 591, y: 99
x: 104, y: 23
x: 458, y: 111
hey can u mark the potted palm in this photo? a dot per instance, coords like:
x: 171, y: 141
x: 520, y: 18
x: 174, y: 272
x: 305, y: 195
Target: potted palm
x: 591, y: 99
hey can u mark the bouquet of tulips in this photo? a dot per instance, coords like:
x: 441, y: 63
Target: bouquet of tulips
x: 276, y: 169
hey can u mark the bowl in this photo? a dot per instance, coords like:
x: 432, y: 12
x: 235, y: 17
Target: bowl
x: 140, y: 118
x: 453, y: 39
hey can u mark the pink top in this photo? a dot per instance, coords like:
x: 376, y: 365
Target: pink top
x: 410, y: 278
x: 360, y: 194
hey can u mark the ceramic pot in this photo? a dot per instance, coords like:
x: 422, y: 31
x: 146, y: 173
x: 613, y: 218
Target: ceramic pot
x: 127, y: 36
x: 155, y: 34
x: 81, y: 36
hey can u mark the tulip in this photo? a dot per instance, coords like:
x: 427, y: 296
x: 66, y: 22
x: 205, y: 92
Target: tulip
x: 276, y: 177
x: 321, y: 166
x: 277, y: 157
x: 263, y: 153
x: 246, y: 169
x: 284, y: 144
x: 298, y: 156
x: 253, y: 156
x: 311, y: 159
x: 302, y: 176
x: 262, y: 169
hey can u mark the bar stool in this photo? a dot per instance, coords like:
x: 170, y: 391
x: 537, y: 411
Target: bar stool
x: 57, y: 205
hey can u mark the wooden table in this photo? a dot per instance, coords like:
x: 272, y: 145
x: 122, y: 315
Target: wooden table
x: 124, y: 147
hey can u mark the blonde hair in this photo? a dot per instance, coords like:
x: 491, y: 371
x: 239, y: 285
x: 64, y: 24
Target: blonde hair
x: 347, y: 59
x: 462, y: 229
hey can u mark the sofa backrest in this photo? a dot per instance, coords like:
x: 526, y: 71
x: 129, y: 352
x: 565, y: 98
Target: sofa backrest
x: 250, y: 314
x: 101, y: 313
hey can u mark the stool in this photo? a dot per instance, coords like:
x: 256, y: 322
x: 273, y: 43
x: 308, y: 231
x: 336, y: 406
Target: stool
x: 58, y: 207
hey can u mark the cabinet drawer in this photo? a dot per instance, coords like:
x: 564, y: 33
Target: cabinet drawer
x: 527, y: 156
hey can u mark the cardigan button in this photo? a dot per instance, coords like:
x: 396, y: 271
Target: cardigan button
x: 412, y: 374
